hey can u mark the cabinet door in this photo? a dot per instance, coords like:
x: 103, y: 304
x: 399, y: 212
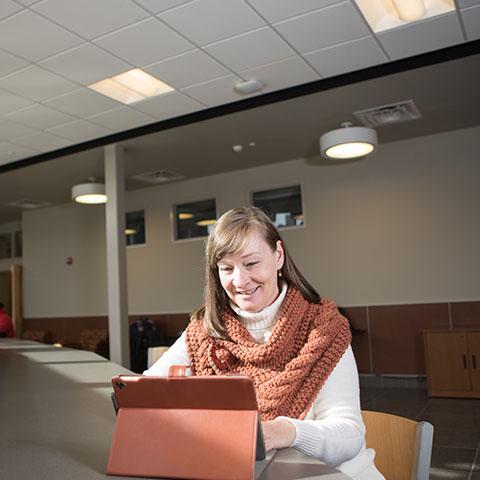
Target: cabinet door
x: 447, y: 357
x: 474, y: 357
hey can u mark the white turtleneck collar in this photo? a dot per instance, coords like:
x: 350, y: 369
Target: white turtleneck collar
x: 260, y: 324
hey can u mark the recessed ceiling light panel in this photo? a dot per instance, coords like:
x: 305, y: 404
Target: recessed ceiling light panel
x: 132, y: 86
x: 387, y: 14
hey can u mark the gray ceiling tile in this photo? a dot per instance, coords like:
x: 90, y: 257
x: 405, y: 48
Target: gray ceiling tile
x: 323, y: 28
x: 36, y: 83
x: 238, y: 54
x: 419, y: 37
x: 17, y: 34
x: 276, y: 10
x: 169, y: 105
x: 346, y: 57
x: 468, y: 3
x: 216, y: 92
x: 10, y: 131
x: 43, y: 141
x: 471, y: 20
x: 200, y: 67
x: 10, y: 102
x: 123, y: 118
x: 91, y: 18
x: 207, y: 21
x: 145, y: 42
x: 80, y: 131
x: 286, y: 73
x: 39, y: 117
x: 86, y: 64
x: 10, y: 152
x: 155, y: 6
x: 7, y: 7
x: 26, y: 2
x: 9, y: 63
x: 82, y: 103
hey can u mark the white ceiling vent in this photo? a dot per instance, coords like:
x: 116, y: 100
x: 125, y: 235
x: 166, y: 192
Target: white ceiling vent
x: 27, y: 204
x: 388, y: 114
x: 158, y: 176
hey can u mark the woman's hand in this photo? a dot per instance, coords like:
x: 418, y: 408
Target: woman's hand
x: 278, y: 433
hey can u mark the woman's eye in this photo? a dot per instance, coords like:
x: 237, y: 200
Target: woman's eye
x: 225, y: 269
x: 251, y: 264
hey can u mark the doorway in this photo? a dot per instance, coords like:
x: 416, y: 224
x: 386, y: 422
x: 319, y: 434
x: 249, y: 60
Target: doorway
x: 6, y: 291
x: 11, y: 295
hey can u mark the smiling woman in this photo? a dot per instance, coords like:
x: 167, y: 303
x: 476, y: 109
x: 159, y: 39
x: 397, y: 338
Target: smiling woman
x: 249, y: 278
x: 245, y: 252
x: 261, y: 318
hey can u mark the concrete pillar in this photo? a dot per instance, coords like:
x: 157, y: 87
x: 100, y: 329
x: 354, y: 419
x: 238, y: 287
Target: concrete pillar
x: 116, y: 256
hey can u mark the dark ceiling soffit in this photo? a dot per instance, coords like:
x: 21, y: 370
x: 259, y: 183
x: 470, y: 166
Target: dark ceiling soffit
x: 403, y: 65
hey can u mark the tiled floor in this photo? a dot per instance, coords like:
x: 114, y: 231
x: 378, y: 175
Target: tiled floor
x: 456, y: 440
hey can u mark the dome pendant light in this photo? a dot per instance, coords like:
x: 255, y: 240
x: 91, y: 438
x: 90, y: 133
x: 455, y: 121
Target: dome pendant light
x: 91, y: 193
x: 348, y: 142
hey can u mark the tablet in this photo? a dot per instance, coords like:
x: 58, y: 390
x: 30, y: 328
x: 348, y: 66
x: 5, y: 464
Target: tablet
x: 185, y: 427
x: 236, y: 394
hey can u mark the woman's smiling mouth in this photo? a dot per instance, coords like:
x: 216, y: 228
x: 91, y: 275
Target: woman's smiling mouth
x: 248, y: 292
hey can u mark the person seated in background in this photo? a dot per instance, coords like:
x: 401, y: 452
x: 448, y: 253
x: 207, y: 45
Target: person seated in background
x: 6, y: 324
x: 261, y: 318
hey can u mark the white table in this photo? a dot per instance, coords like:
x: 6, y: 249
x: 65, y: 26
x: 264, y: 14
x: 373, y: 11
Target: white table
x: 56, y: 418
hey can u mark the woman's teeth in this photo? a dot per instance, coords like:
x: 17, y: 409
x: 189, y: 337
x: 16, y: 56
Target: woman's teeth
x: 248, y: 292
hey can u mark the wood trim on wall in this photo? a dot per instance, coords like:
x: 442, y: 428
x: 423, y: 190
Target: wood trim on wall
x: 391, y: 338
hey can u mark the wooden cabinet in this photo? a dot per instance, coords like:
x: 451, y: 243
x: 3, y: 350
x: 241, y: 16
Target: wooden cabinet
x: 453, y: 363
x: 474, y: 353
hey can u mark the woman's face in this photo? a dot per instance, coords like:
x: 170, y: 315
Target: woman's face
x: 250, y: 276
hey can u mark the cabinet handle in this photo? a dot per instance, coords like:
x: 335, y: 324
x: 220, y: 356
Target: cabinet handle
x: 464, y: 361
x: 474, y: 361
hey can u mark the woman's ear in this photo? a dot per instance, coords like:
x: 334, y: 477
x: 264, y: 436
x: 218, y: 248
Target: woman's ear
x: 280, y: 254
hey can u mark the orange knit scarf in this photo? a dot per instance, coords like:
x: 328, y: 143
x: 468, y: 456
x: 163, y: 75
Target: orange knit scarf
x: 289, y: 370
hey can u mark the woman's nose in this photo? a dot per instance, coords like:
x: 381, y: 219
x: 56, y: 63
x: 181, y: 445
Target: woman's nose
x: 240, y: 277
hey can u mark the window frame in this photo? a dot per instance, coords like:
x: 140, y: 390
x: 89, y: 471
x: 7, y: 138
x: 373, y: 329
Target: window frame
x: 137, y: 245
x: 11, y: 246
x: 278, y: 187
x: 173, y: 219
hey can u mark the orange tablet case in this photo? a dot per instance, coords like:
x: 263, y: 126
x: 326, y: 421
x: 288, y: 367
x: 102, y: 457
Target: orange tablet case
x: 201, y: 428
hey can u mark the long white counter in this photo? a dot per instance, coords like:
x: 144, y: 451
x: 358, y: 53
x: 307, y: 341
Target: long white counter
x: 57, y: 419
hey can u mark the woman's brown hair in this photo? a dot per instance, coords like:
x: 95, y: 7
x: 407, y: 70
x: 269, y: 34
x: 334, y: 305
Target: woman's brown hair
x: 228, y: 238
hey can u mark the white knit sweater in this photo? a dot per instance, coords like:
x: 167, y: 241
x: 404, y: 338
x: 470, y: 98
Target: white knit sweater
x: 333, y: 430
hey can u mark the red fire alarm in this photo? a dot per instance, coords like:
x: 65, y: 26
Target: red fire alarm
x: 69, y: 260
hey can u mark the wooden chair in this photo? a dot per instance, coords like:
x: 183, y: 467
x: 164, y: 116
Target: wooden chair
x: 95, y: 340
x: 403, y: 447
x: 42, y: 336
x: 154, y: 353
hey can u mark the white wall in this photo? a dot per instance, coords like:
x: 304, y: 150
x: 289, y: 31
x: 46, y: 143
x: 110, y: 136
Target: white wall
x: 399, y: 227
x: 52, y: 288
